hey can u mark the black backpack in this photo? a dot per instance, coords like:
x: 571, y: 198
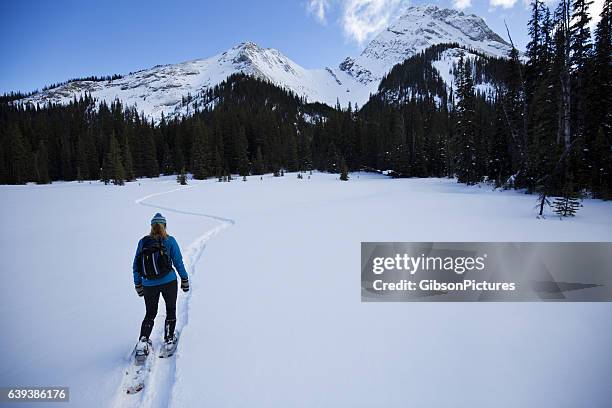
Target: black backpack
x: 153, y: 260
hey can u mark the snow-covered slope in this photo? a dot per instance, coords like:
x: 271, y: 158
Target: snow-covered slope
x: 401, y: 85
x: 161, y: 89
x: 274, y: 317
x: 447, y: 66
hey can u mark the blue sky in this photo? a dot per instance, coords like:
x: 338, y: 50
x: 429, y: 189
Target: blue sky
x: 46, y: 42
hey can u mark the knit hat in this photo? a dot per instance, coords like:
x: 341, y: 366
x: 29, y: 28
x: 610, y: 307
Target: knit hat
x: 158, y: 219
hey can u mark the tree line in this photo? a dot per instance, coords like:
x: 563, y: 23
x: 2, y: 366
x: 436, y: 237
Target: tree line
x: 253, y: 127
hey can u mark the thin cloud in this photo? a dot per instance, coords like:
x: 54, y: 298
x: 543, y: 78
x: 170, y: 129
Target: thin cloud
x: 319, y: 9
x: 462, y: 4
x: 359, y: 19
x: 363, y: 18
x: 502, y: 3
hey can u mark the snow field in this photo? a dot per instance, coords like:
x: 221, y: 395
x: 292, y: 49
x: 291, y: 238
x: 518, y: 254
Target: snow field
x: 274, y: 317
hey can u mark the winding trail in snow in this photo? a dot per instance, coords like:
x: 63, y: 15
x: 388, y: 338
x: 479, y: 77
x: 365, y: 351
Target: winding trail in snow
x: 160, y: 382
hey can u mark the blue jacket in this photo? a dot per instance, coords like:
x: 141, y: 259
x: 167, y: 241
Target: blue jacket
x: 177, y: 261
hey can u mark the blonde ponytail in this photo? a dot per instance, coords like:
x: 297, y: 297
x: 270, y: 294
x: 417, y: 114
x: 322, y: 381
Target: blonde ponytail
x: 158, y: 231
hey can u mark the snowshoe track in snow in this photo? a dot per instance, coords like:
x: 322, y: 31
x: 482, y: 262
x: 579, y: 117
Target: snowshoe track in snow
x: 159, y: 385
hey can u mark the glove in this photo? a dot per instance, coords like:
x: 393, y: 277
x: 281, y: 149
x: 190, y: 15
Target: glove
x: 139, y: 289
x: 185, y: 284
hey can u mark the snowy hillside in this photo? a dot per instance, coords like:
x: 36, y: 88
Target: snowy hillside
x: 432, y: 74
x: 447, y: 65
x: 162, y: 89
x: 274, y: 317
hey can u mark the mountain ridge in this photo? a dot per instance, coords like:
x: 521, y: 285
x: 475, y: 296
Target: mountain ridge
x: 161, y: 90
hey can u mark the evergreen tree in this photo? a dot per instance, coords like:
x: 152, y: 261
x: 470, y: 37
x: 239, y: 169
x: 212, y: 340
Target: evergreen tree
x: 218, y: 166
x: 150, y: 166
x: 128, y: 163
x: 42, y: 164
x: 536, y: 48
x: 198, y: 167
x: 291, y: 152
x: 258, y: 164
x: 114, y: 170
x: 219, y: 161
x: 332, y: 158
x: 399, y: 159
x: 417, y: 151
x: 602, y: 166
x: 543, y: 150
x: 581, y: 48
x: 67, y: 173
x: 178, y: 158
x: 4, y: 176
x: 343, y: 170
x: 18, y: 157
x: 167, y: 160
x: 580, y: 34
x: 82, y: 165
x: 119, y: 178
x: 563, y: 44
x: 600, y: 119
x: 568, y: 204
x: 603, y: 67
x: 304, y: 152
x: 512, y: 97
x: 466, y: 132
x: 104, y: 173
x: 181, y: 178
x: 543, y: 200
x: 499, y: 166
x: 242, y: 158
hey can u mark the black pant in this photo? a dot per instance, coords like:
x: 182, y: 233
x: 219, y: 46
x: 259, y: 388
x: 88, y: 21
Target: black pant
x: 151, y: 296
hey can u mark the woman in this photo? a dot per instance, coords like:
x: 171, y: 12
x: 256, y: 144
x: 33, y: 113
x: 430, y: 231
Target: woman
x: 154, y: 275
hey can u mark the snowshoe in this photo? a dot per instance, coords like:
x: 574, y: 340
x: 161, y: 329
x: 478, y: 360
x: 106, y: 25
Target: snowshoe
x: 169, y: 347
x: 136, y: 373
x: 142, y: 350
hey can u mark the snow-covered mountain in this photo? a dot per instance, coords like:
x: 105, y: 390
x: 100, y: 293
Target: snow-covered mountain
x: 417, y: 29
x: 161, y: 89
